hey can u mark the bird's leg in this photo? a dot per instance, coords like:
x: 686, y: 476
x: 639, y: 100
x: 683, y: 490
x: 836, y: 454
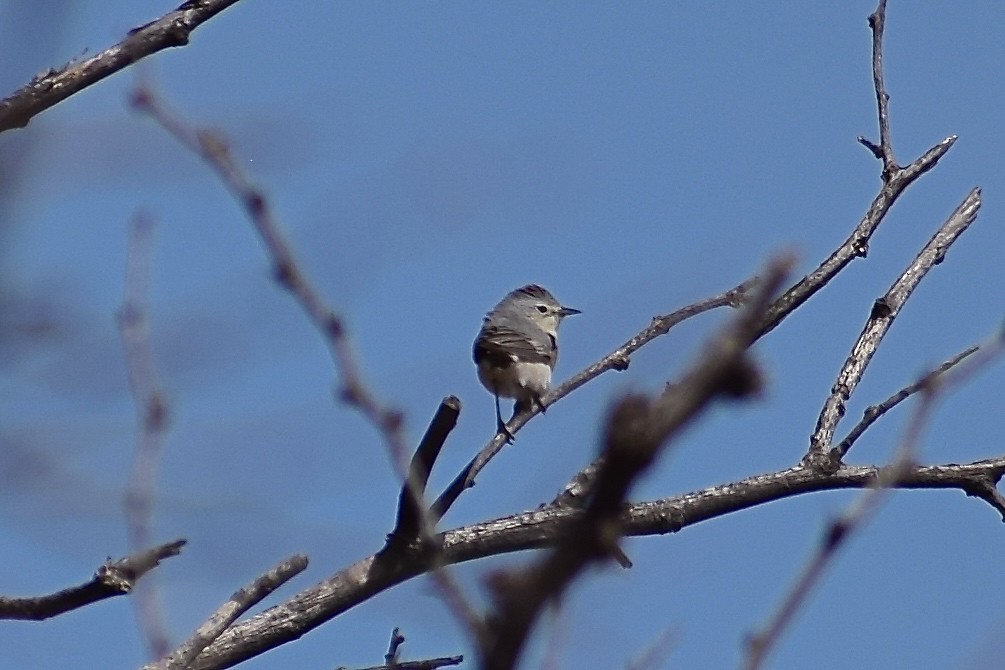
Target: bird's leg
x: 500, y: 424
x: 529, y: 403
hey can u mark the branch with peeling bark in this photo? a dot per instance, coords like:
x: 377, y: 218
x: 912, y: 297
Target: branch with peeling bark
x: 542, y: 527
x: 881, y: 317
x: 53, y: 86
x: 227, y: 614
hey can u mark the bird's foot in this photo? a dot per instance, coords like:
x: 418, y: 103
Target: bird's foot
x: 501, y: 428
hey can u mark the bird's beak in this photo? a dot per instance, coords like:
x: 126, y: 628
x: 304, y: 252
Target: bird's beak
x: 568, y: 311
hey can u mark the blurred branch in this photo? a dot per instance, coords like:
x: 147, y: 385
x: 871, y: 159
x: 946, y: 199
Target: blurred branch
x: 114, y: 578
x: 53, y: 86
x: 616, y: 360
x: 656, y: 654
x: 881, y: 317
x: 152, y: 415
x: 227, y: 614
x: 213, y: 149
x: 860, y: 512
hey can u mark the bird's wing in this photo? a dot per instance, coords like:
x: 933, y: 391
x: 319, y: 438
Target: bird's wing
x: 500, y: 344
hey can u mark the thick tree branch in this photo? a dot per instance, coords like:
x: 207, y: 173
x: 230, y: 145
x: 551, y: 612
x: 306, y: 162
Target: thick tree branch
x: 543, y: 527
x: 884, y: 311
x: 114, y: 578
x: 54, y: 86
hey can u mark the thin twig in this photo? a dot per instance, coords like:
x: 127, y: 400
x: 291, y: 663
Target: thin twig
x: 874, y: 412
x: 113, y: 578
x: 616, y: 360
x: 425, y: 664
x: 656, y: 654
x: 881, y: 317
x: 415, y: 527
x: 152, y: 416
x: 895, y: 181
x: 397, y: 639
x: 226, y: 614
x: 883, y: 151
x: 53, y: 86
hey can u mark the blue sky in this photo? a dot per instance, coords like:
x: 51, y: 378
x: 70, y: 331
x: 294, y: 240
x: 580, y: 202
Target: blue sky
x: 424, y: 159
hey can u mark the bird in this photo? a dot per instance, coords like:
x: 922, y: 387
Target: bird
x: 517, y: 348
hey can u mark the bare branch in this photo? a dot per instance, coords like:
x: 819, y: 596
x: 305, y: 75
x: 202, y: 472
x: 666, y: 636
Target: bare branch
x: 53, y: 86
x: 883, y: 151
x: 884, y: 311
x: 411, y: 507
x: 227, y: 614
x: 114, y: 578
x: 616, y: 360
x: 874, y: 412
x: 391, y: 657
x: 541, y: 528
x: 152, y: 416
x: 391, y: 661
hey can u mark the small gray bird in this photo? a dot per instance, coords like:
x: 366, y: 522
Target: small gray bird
x: 517, y: 348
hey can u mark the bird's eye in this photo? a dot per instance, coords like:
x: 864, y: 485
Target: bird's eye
x: 542, y: 309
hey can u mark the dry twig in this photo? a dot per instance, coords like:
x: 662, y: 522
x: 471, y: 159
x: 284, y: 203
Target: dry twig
x: 53, y: 86
x: 152, y: 414
x: 114, y: 578
x: 227, y: 614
